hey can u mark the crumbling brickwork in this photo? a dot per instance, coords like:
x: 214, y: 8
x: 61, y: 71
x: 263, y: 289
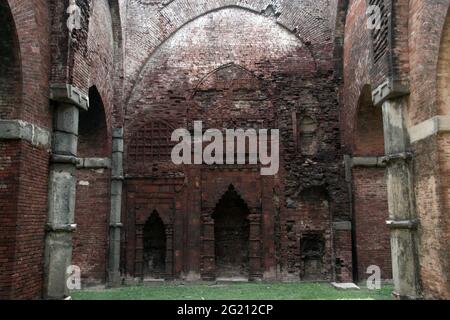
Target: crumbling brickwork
x: 228, y: 80
x: 311, y: 69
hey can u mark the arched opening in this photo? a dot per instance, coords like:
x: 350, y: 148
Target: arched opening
x: 231, y: 230
x: 443, y: 71
x: 434, y: 231
x: 369, y: 132
x: 10, y: 66
x: 370, y: 203
x: 92, y: 131
x: 154, y: 247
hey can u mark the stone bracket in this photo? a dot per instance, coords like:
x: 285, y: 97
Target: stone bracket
x: 116, y: 225
x: 369, y: 162
x: 429, y: 128
x: 60, y: 228
x: 58, y: 158
x: 403, y: 224
x: 67, y: 93
x: 22, y: 130
x: 94, y: 163
x: 390, y: 89
x: 402, y: 156
x: 342, y: 226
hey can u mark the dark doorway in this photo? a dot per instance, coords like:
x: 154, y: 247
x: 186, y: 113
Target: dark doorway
x: 154, y: 248
x: 312, y: 249
x: 92, y: 131
x: 231, y: 229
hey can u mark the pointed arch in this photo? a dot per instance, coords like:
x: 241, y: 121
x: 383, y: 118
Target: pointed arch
x: 443, y: 71
x: 155, y: 247
x: 230, y: 80
x: 229, y: 66
x: 93, y: 129
x: 231, y: 236
x: 11, y: 85
x: 137, y: 80
x: 368, y: 137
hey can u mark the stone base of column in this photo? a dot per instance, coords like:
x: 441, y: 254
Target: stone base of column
x: 403, y: 256
x: 58, y: 257
x: 114, y: 279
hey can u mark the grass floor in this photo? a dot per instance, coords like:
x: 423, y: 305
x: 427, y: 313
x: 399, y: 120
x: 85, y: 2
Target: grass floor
x: 247, y: 291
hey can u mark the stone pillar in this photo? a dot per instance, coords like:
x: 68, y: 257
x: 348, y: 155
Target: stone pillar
x: 402, y: 214
x: 115, y: 224
x: 61, y: 201
x: 62, y: 189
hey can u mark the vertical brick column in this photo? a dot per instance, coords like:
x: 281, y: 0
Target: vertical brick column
x: 255, y: 252
x: 208, y: 268
x: 169, y: 251
x: 268, y: 241
x: 402, y: 214
x: 139, y: 262
x: 62, y: 189
x: 115, y: 224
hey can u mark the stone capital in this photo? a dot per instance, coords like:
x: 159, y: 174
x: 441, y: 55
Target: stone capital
x: 67, y: 93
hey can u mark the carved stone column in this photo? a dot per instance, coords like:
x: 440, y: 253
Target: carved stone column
x: 62, y: 189
x: 402, y: 215
x: 115, y: 224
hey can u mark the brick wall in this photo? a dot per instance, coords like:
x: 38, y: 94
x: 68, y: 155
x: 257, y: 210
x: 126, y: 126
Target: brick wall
x: 356, y: 61
x: 24, y: 167
x: 93, y: 194
x: 428, y: 37
x: 90, y: 244
x: 278, y: 69
x: 371, y: 212
x: 32, y: 20
x: 362, y: 135
x: 23, y: 200
x: 212, y: 71
x: 9, y: 184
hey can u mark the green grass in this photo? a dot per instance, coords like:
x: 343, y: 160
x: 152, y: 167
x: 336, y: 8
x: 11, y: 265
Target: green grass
x: 247, y: 291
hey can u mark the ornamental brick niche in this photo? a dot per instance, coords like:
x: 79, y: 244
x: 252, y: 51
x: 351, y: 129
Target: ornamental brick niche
x: 231, y: 236
x: 154, y: 247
